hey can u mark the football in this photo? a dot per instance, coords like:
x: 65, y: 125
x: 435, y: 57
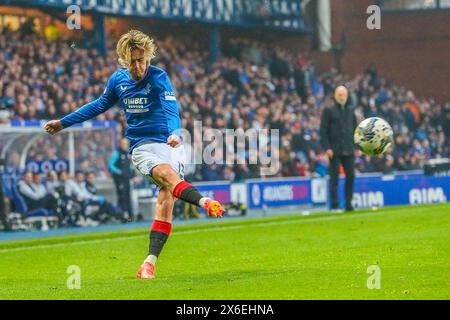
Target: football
x: 373, y: 136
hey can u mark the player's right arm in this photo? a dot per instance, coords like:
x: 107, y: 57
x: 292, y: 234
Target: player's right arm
x: 86, y: 112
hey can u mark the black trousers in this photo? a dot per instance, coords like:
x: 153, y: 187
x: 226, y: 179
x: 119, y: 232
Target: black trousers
x: 123, y: 194
x: 49, y: 202
x: 105, y: 208
x: 3, y: 219
x: 349, y: 169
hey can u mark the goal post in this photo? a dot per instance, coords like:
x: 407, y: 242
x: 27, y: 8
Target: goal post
x: 26, y: 145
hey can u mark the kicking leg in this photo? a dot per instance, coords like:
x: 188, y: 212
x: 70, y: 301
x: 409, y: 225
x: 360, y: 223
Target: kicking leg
x: 183, y: 190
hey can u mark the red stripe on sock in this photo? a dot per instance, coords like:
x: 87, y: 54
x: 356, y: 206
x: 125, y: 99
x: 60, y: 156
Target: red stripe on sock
x: 179, y: 188
x: 162, y: 226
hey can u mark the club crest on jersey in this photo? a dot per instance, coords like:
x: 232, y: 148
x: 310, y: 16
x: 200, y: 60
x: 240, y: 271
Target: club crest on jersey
x: 147, y: 89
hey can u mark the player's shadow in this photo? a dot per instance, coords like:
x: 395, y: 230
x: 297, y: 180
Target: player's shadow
x: 215, y: 276
x: 223, y: 276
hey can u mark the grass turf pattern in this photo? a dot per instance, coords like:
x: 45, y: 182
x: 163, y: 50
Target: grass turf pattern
x: 322, y: 256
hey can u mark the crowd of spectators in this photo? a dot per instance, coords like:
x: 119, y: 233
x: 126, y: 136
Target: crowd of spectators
x: 252, y: 86
x: 74, y: 201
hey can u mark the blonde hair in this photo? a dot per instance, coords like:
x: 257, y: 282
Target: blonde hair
x: 134, y: 39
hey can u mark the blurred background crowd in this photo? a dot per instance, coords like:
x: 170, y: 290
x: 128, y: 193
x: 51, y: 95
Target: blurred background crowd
x: 252, y: 85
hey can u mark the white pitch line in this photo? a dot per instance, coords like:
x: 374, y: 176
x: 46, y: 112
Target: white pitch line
x: 182, y: 232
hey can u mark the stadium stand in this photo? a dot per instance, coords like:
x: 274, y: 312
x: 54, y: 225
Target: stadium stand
x: 252, y: 85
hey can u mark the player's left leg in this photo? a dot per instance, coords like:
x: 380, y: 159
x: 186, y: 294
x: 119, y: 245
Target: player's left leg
x: 164, y: 165
x: 159, y: 233
x: 165, y: 175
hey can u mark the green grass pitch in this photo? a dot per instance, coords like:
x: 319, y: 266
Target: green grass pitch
x: 321, y: 256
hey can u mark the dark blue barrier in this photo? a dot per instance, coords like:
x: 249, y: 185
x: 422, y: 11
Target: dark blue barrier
x: 401, y: 189
x: 373, y: 190
x: 370, y: 191
x: 279, y: 192
x: 219, y: 191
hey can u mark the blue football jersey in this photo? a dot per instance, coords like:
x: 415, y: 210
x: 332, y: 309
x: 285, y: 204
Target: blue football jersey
x: 150, y: 106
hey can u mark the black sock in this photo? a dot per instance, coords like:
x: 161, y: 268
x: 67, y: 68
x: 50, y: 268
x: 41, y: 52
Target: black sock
x: 186, y: 192
x: 157, y: 241
x: 158, y: 236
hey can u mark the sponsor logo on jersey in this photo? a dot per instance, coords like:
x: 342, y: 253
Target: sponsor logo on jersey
x: 169, y: 96
x: 136, y: 105
x: 130, y: 110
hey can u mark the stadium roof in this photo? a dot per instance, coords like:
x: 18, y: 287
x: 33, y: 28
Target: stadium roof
x: 284, y: 15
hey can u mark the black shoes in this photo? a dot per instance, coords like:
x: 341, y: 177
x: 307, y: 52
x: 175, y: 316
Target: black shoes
x: 349, y: 208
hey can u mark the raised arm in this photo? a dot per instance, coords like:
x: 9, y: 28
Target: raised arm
x: 86, y: 112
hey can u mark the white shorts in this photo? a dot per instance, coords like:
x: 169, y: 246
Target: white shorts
x: 148, y: 155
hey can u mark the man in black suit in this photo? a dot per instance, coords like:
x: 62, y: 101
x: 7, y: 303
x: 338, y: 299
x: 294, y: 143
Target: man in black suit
x: 3, y: 218
x: 121, y: 169
x: 337, y: 127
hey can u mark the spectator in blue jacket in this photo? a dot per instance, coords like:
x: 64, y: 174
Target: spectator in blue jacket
x: 121, y: 170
